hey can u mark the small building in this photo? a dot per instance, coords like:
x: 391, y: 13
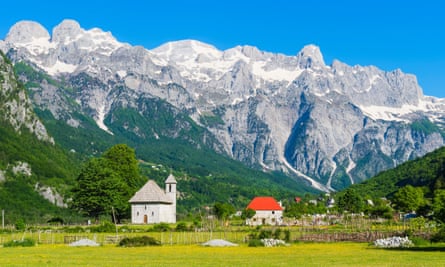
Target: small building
x: 152, y: 205
x: 267, y: 211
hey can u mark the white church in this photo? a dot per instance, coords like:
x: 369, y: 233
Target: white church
x: 152, y: 205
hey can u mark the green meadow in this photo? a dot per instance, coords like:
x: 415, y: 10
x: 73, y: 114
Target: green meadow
x: 299, y: 254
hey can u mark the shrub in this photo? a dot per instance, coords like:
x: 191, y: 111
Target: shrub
x: 181, y: 227
x: 265, y: 234
x: 20, y: 225
x: 55, y: 221
x: 75, y: 229
x: 105, y: 227
x: 277, y: 233
x: 255, y: 243
x: 287, y: 235
x: 161, y: 227
x: 27, y: 242
x: 418, y: 241
x: 439, y: 236
x: 125, y: 229
x: 139, y: 241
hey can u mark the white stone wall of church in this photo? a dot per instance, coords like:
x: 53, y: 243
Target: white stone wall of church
x: 166, y: 215
x: 146, y: 213
x: 170, y: 190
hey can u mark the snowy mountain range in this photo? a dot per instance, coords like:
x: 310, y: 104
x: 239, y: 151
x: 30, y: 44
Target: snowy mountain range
x: 332, y: 125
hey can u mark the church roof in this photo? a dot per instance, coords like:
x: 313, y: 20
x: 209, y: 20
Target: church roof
x: 264, y: 203
x: 150, y: 193
x: 170, y: 179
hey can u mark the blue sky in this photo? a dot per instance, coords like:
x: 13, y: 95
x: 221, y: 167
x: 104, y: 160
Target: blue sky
x: 408, y: 34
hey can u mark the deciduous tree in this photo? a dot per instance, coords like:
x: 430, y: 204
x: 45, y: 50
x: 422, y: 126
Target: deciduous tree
x: 105, y: 184
x: 98, y: 189
x: 408, y: 198
x: 439, y: 205
x: 350, y: 201
x: 223, y: 210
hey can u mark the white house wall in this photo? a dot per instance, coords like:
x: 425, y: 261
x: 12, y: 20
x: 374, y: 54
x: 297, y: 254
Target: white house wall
x: 266, y: 217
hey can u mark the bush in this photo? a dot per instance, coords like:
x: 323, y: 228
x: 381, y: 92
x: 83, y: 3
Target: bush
x: 181, y: 227
x: 20, y: 225
x: 75, y: 229
x: 439, y: 236
x: 105, y: 227
x: 277, y: 233
x: 55, y: 221
x: 418, y: 241
x: 265, y: 234
x: 287, y: 235
x: 255, y: 243
x: 161, y: 227
x: 27, y: 242
x: 139, y: 241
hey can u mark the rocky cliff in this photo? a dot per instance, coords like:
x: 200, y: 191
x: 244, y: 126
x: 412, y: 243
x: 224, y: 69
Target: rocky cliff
x: 333, y: 125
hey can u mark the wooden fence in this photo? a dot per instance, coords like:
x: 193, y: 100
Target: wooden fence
x: 198, y: 237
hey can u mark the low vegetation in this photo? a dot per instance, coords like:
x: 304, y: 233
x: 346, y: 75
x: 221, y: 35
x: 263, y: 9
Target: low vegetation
x: 26, y: 242
x: 139, y: 241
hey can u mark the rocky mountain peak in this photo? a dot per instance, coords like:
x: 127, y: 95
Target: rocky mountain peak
x: 25, y: 32
x: 251, y: 52
x: 185, y: 50
x: 67, y: 29
x: 310, y: 56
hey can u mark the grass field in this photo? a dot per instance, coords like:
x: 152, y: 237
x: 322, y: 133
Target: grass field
x: 300, y: 254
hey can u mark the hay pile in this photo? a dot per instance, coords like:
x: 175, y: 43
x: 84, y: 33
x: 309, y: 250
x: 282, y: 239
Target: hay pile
x: 219, y: 243
x: 84, y: 243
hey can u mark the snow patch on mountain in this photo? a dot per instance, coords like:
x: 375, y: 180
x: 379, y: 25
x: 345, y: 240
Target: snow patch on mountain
x: 59, y: 67
x: 313, y: 183
x: 100, y: 119
x: 195, y: 60
x: 278, y: 74
x: 202, y: 62
x: 37, y: 45
x: 399, y: 114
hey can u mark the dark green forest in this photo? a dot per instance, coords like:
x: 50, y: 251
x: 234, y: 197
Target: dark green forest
x: 427, y: 172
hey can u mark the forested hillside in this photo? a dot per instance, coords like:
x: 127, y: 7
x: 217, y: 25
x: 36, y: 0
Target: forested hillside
x: 427, y: 172
x: 34, y: 172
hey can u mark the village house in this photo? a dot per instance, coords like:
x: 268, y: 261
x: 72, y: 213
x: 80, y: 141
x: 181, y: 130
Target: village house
x: 267, y: 211
x: 152, y: 205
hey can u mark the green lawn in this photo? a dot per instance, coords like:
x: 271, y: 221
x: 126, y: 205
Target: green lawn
x: 301, y: 254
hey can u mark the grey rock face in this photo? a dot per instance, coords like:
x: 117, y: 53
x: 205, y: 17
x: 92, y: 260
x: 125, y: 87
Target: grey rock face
x: 335, y: 124
x: 27, y: 32
x: 16, y: 106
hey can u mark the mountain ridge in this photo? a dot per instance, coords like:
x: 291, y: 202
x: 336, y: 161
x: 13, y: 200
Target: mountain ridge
x: 335, y: 125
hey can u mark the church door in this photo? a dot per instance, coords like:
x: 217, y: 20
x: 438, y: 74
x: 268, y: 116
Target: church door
x: 145, y: 218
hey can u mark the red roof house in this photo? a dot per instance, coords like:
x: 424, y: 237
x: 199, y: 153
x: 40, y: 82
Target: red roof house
x: 267, y: 211
x: 264, y: 203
